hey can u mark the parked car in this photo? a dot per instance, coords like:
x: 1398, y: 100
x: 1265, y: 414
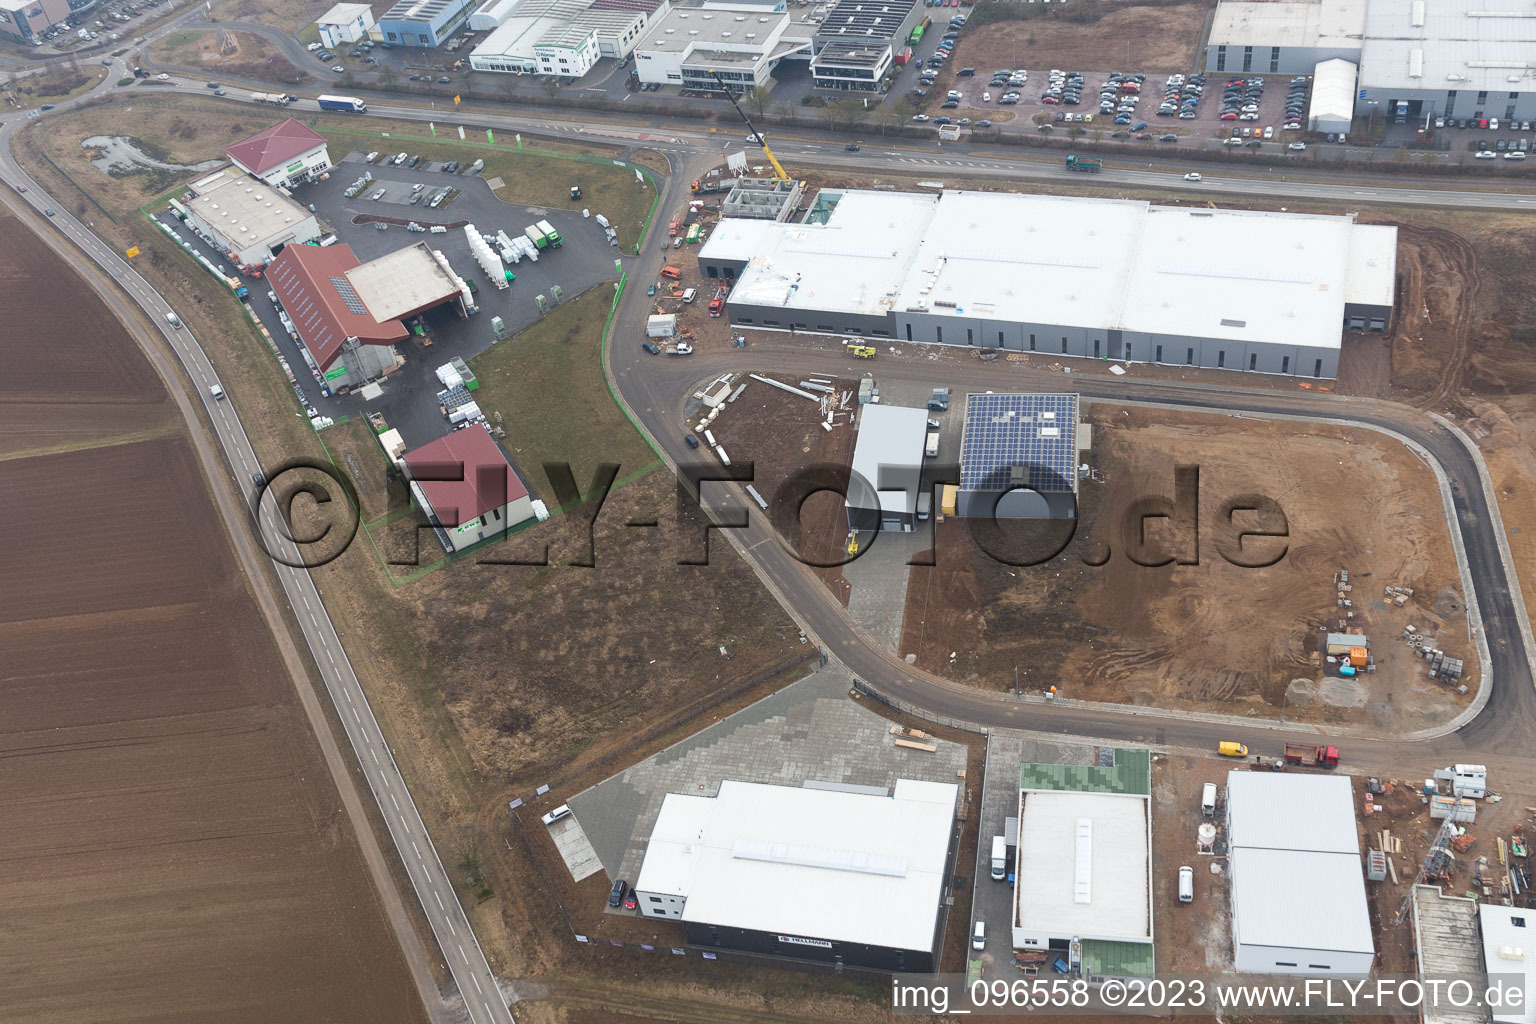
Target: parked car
x: 616, y: 895
x: 1165, y: 138
x: 650, y: 346
x: 690, y: 440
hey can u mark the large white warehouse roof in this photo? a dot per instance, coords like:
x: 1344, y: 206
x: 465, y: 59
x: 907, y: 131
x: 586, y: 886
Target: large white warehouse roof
x: 1103, y: 264
x: 1291, y: 899
x: 823, y: 864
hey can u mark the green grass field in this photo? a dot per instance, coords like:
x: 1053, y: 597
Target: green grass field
x: 548, y: 385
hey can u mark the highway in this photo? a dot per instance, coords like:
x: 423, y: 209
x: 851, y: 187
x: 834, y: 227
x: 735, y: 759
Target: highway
x: 655, y: 391
x: 434, y: 889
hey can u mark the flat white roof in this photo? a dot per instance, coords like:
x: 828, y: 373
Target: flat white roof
x: 738, y: 238
x: 1056, y: 260
x: 724, y: 30
x: 845, y: 867
x: 1300, y: 900
x: 1333, y: 90
x: 1466, y: 45
x: 1321, y: 24
x: 1206, y: 273
x: 244, y: 210
x: 1501, y: 938
x: 1292, y: 811
x: 344, y: 14
x: 1095, y: 887
x: 888, y: 436
x: 1034, y: 259
x: 1372, y: 265
x: 401, y: 282
x: 855, y: 263
x: 551, y: 23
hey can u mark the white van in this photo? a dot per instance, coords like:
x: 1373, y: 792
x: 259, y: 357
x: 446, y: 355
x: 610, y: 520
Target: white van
x: 690, y: 294
x: 371, y: 157
x: 979, y: 936
x: 1208, y: 800
x: 217, y: 391
x: 1186, y: 884
x: 563, y: 811
x: 173, y: 320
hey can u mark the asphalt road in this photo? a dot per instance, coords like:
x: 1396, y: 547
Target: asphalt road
x: 1501, y: 736
x: 434, y: 889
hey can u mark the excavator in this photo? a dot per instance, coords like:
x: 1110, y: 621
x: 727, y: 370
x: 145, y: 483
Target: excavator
x: 779, y: 174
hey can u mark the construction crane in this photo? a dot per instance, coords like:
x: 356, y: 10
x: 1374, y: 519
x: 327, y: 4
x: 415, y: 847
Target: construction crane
x: 778, y: 169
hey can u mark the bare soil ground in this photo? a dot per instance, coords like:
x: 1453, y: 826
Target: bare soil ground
x: 1149, y: 39
x: 246, y: 55
x: 288, y: 15
x: 175, y: 850
x: 1212, y: 634
x: 54, y: 395
x: 780, y: 434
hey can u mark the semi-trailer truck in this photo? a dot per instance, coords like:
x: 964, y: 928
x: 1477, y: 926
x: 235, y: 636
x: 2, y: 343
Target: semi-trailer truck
x: 350, y: 104
x: 276, y: 99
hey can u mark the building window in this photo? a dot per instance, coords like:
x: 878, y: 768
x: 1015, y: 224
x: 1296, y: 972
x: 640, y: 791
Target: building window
x: 1127, y: 353
x: 655, y: 899
x: 1189, y: 357
x: 1285, y: 364
x: 938, y: 333
x: 496, y: 514
x: 1482, y: 98
x: 1063, y: 346
x: 1253, y: 360
x: 1095, y: 348
x: 1031, y: 342
x: 969, y: 337
x: 1282, y: 963
x: 1317, y: 371
x: 1159, y: 357
x: 909, y: 332
x: 1221, y: 358
x: 1320, y: 967
x: 999, y: 339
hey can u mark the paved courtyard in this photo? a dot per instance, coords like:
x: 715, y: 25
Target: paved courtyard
x: 808, y: 734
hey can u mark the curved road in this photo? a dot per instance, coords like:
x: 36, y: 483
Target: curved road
x: 434, y: 889
x: 655, y: 390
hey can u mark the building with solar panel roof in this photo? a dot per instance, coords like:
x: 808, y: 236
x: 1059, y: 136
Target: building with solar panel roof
x: 349, y: 314
x: 1019, y: 456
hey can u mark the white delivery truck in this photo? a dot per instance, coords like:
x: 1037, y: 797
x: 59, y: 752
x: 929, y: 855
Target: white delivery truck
x: 931, y: 449
x: 999, y: 858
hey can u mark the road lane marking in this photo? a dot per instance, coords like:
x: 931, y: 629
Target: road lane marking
x: 356, y: 716
x: 395, y: 802
x: 451, y: 928
x: 476, y: 980
x: 375, y: 754
x: 406, y: 824
x: 347, y: 692
x: 439, y: 901
x: 416, y: 848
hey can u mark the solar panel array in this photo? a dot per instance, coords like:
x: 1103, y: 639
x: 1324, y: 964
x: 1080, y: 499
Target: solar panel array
x: 350, y: 297
x: 1019, y: 441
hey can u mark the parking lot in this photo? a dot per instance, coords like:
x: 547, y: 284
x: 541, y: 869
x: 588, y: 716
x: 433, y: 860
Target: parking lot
x: 409, y: 399
x: 1133, y: 113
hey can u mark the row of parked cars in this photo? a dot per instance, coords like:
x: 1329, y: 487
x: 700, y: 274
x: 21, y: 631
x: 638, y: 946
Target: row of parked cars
x: 1181, y: 96
x: 1511, y: 149
x: 1065, y: 87
x: 1492, y: 124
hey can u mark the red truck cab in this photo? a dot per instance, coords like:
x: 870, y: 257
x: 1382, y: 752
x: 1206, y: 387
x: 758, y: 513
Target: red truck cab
x: 1308, y: 755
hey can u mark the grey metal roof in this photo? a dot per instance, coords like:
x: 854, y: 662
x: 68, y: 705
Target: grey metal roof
x: 1300, y: 900
x: 1292, y: 811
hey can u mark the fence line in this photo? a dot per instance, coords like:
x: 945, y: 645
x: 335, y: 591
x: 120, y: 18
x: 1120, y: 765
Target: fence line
x: 897, y: 704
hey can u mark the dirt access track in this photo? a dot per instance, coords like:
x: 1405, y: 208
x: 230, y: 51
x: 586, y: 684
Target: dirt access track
x: 174, y: 848
x: 1213, y: 636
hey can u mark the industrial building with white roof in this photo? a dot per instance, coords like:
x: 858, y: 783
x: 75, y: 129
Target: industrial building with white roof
x: 1289, y: 834
x: 742, y: 44
x: 564, y: 38
x: 887, y: 469
x: 1083, y: 873
x: 1416, y: 59
x: 1508, y: 949
x: 244, y: 218
x: 817, y: 874
x: 1096, y: 278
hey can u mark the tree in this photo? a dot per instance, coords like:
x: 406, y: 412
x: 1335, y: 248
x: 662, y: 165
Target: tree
x: 509, y: 88
x: 470, y: 845
x: 386, y: 76
x: 787, y: 111
x: 758, y: 99
x: 830, y: 115
x: 851, y: 113
x: 551, y: 86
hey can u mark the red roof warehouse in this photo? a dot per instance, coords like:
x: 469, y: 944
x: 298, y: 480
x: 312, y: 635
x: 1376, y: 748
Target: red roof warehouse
x: 311, y: 282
